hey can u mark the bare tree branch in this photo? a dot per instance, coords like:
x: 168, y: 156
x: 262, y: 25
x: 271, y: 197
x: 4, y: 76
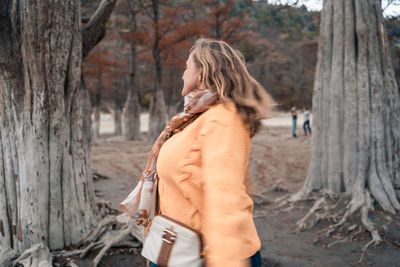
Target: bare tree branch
x: 146, y: 9
x: 95, y: 29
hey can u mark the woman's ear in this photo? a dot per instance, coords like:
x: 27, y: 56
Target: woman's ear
x: 199, y: 82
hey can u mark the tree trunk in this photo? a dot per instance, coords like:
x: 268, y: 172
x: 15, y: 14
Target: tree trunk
x: 93, y: 32
x: 96, y: 110
x: 96, y: 122
x: 158, y: 115
x: 173, y: 106
x: 131, y: 114
x: 356, y: 107
x: 218, y: 26
x: 87, y: 111
x: 46, y: 190
x: 95, y: 29
x: 158, y: 110
x: 117, y: 114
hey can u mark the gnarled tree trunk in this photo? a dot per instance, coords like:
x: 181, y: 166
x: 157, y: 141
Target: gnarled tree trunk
x: 356, y: 125
x: 96, y: 121
x: 87, y: 110
x: 116, y: 112
x: 93, y: 32
x: 46, y: 190
x: 117, y: 120
x: 96, y: 109
x: 131, y: 113
x: 158, y: 110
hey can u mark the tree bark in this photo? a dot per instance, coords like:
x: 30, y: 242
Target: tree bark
x: 158, y: 110
x: 117, y: 114
x: 46, y: 190
x: 96, y: 109
x: 96, y: 121
x: 95, y: 29
x: 87, y: 111
x: 356, y: 106
x: 131, y: 113
x: 93, y: 32
x: 115, y: 111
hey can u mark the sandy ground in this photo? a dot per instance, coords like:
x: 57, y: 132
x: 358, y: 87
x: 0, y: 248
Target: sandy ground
x: 276, y: 160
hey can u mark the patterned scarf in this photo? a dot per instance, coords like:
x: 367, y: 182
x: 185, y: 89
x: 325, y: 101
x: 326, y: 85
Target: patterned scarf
x: 140, y: 203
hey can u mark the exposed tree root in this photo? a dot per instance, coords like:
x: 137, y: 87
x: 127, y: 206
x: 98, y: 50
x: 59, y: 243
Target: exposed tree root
x: 6, y: 256
x: 337, y: 242
x: 276, y: 188
x: 97, y: 176
x: 111, y: 231
x: 339, y: 211
x: 104, y: 237
x: 301, y: 224
x: 291, y: 199
x: 100, y: 230
x: 260, y: 200
x: 105, y: 208
x: 116, y: 240
x: 376, y: 238
x: 37, y: 255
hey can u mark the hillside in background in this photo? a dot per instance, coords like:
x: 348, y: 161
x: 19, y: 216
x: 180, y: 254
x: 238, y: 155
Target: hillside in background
x: 278, y: 42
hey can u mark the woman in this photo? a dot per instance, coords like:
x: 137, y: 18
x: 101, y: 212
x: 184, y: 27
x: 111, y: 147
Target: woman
x: 203, y: 154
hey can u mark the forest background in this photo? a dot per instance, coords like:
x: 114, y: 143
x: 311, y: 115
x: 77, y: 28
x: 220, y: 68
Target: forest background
x: 50, y: 157
x: 279, y: 43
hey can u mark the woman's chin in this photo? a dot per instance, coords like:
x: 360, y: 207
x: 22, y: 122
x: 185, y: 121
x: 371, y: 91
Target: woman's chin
x: 185, y: 92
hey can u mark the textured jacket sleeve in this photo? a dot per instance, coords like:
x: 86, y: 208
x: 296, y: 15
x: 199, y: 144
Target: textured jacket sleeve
x: 227, y: 209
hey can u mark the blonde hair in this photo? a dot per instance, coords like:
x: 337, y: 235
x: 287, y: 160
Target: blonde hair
x: 223, y: 69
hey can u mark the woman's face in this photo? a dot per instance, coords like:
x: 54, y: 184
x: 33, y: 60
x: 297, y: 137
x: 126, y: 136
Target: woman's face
x: 191, y: 76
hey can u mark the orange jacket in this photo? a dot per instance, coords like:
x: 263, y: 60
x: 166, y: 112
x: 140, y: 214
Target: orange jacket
x: 202, y: 173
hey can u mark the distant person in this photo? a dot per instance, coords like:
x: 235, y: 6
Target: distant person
x: 293, y: 112
x: 306, y: 124
x: 201, y: 157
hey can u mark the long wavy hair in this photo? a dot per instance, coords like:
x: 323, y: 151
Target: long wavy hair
x: 223, y: 69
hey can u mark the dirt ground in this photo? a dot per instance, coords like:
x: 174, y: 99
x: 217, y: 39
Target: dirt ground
x: 278, y: 166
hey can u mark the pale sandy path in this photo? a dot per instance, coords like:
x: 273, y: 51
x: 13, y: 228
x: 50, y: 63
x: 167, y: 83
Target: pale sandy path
x: 279, y: 119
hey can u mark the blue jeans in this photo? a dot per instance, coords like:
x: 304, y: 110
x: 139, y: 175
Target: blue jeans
x: 306, y: 127
x: 294, y: 126
x: 255, y: 260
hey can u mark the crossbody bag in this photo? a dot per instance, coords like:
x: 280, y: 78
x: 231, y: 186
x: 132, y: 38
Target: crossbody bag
x: 172, y: 243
